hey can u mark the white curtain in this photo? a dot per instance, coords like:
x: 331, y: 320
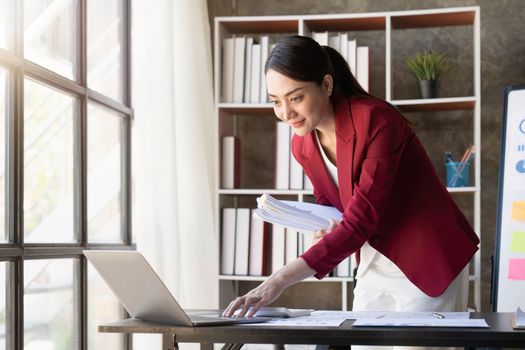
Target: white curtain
x: 173, y: 149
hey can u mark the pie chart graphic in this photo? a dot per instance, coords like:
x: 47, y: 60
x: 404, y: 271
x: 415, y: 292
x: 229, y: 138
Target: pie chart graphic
x: 520, y: 166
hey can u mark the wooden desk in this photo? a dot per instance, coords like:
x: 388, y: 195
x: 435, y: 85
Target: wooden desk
x: 500, y: 334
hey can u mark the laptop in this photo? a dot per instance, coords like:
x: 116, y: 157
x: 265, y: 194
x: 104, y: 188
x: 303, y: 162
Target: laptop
x: 144, y: 295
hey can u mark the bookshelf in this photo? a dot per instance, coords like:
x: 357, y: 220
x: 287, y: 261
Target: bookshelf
x: 380, y: 31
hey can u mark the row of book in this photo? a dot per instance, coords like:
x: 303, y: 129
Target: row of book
x: 243, y: 60
x: 358, y: 57
x: 288, y: 172
x: 244, y: 57
x: 251, y: 247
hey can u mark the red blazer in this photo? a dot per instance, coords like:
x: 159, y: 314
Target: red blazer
x: 390, y: 196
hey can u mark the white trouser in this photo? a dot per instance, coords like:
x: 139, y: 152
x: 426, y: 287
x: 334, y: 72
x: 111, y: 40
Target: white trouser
x: 382, y: 286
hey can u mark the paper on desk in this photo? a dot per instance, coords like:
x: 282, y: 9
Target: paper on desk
x: 354, y: 315
x: 519, y: 319
x: 422, y: 322
x: 304, y: 321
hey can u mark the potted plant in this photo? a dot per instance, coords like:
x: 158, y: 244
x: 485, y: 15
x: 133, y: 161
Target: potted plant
x: 427, y: 66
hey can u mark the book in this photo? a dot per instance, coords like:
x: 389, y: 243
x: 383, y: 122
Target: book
x: 278, y: 246
x: 321, y: 38
x: 343, y: 45
x: 227, y: 69
x: 238, y: 69
x: 307, y: 183
x: 282, y: 156
x: 265, y: 51
x: 291, y: 245
x: 242, y: 242
x: 230, y: 158
x: 296, y: 171
x: 256, y: 74
x: 352, y: 55
x: 248, y: 71
x: 258, y: 238
x: 334, y: 42
x: 519, y: 319
x: 362, y: 67
x: 343, y: 269
x: 300, y: 216
x: 228, y: 241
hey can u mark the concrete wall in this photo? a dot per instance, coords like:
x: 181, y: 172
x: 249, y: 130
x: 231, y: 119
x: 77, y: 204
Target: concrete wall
x: 502, y: 64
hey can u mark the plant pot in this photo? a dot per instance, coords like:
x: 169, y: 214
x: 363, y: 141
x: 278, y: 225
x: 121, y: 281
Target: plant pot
x: 428, y: 88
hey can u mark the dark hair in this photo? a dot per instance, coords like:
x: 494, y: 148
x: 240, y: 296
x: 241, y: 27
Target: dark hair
x: 302, y: 58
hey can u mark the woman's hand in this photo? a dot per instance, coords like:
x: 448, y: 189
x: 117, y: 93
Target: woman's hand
x: 261, y: 296
x: 293, y: 272
x: 318, y: 235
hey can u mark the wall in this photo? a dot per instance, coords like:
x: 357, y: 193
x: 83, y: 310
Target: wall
x: 502, y: 64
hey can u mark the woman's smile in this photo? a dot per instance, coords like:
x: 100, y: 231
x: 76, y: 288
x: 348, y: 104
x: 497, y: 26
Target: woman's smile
x: 297, y: 124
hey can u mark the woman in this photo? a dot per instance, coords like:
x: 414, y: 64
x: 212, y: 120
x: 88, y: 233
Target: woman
x: 363, y: 158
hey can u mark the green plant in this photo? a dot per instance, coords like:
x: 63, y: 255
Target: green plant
x: 428, y: 65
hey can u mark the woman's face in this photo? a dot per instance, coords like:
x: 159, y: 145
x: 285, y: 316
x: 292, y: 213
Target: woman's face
x: 303, y: 105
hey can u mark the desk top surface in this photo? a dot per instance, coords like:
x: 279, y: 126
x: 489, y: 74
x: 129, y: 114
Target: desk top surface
x: 500, y: 333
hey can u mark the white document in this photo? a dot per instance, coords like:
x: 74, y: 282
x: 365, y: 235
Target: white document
x: 519, y: 319
x: 300, y: 216
x: 354, y: 315
x: 305, y: 321
x: 421, y: 322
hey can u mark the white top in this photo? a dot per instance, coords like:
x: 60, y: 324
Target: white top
x: 369, y: 255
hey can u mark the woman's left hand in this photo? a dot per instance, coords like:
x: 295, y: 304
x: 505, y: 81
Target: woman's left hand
x: 321, y: 233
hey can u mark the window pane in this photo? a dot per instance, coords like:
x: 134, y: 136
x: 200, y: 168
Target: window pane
x: 50, y: 34
x: 103, y: 307
x: 3, y: 141
x: 105, y: 26
x: 48, y: 164
x: 49, y: 302
x: 4, y: 24
x: 3, y: 305
x: 104, y: 175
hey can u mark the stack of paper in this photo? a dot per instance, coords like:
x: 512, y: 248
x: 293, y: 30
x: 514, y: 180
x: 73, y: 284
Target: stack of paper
x: 300, y: 216
x: 519, y: 319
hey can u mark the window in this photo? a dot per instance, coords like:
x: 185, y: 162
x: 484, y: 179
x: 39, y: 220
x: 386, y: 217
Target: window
x: 3, y: 138
x: 4, y: 23
x: 65, y: 121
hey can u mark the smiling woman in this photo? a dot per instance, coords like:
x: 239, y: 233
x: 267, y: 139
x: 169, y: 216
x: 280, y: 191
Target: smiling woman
x: 364, y: 159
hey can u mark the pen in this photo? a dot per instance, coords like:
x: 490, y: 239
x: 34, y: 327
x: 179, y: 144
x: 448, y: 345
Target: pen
x: 438, y: 315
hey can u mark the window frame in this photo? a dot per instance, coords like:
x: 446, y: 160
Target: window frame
x: 16, y: 251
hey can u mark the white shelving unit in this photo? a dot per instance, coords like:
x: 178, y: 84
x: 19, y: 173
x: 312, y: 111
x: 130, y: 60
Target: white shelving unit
x: 227, y: 113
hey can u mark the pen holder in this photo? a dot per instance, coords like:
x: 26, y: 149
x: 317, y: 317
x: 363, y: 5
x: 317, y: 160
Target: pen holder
x: 457, y: 174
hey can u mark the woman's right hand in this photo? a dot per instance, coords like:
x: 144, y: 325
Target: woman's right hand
x: 295, y: 271
x: 255, y: 299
